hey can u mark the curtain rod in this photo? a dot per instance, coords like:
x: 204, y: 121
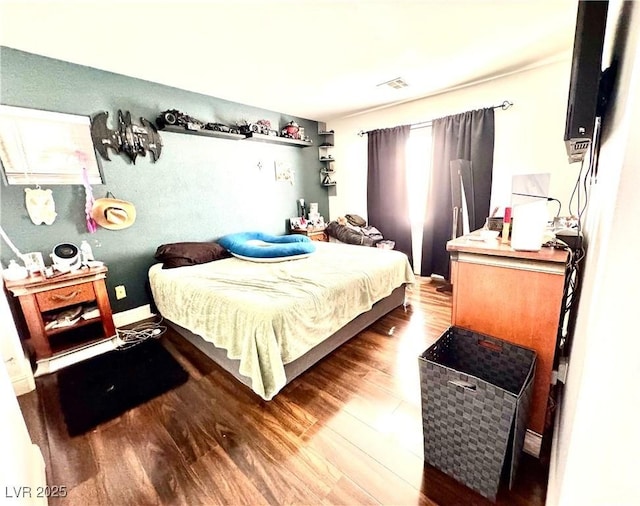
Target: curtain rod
x: 422, y: 124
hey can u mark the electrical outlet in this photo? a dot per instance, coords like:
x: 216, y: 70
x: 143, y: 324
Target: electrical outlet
x: 121, y: 293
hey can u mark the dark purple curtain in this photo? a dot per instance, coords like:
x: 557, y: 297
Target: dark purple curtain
x: 467, y: 136
x: 387, y: 202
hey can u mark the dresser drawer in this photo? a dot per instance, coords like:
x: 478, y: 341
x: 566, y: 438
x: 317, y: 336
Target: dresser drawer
x: 318, y: 236
x: 66, y: 296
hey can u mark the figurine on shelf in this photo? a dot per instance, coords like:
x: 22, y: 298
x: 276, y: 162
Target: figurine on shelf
x: 291, y: 131
x: 221, y: 127
x: 264, y: 126
x: 173, y: 117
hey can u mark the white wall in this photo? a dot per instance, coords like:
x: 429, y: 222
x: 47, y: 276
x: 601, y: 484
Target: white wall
x: 529, y: 135
x: 21, y: 463
x: 11, y: 351
x: 595, y: 454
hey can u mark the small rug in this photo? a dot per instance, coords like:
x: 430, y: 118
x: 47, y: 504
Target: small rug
x: 103, y: 387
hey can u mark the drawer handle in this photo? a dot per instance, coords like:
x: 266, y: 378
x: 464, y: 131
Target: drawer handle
x: 463, y: 384
x: 72, y: 295
x: 485, y: 343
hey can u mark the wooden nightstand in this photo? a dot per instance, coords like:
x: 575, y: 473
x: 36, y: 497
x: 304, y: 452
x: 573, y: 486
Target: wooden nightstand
x: 315, y: 234
x: 41, y: 299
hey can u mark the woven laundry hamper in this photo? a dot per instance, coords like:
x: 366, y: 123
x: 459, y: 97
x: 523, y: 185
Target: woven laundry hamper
x: 476, y: 392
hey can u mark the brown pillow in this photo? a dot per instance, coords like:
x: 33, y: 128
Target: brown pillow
x: 180, y: 254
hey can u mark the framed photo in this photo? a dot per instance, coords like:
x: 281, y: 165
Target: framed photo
x: 34, y: 262
x: 284, y: 172
x: 42, y: 147
x: 296, y: 223
x: 316, y: 221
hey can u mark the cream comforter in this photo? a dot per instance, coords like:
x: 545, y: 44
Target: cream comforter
x: 268, y: 314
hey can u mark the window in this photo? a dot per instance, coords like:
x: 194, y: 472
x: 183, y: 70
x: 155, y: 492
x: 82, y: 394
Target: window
x: 41, y: 147
x: 418, y: 172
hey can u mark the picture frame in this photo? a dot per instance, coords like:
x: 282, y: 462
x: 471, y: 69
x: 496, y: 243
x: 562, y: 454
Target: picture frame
x: 42, y: 147
x: 297, y: 223
x: 316, y: 221
x: 34, y: 263
x: 284, y: 172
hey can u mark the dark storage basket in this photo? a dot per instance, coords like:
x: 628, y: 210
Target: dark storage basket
x: 476, y: 394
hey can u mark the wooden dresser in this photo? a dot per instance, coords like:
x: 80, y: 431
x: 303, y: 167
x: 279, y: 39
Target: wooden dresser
x: 42, y: 299
x: 512, y: 295
x: 315, y: 234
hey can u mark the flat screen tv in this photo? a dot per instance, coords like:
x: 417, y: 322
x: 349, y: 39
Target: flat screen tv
x: 586, y: 70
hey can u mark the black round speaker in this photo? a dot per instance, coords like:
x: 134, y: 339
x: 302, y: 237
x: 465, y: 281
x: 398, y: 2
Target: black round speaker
x: 66, y: 256
x: 66, y: 251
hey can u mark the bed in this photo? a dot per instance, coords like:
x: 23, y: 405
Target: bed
x: 266, y: 323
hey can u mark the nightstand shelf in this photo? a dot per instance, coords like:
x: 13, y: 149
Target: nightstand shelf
x: 80, y: 323
x: 76, y: 336
x: 42, y: 298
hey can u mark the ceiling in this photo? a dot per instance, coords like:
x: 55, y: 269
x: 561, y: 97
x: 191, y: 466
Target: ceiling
x: 313, y: 59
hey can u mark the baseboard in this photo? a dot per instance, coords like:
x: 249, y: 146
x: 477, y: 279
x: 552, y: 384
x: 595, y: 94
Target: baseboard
x: 532, y: 443
x: 132, y: 315
x: 24, y: 383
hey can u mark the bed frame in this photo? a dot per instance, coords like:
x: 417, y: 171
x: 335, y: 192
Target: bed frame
x: 301, y: 364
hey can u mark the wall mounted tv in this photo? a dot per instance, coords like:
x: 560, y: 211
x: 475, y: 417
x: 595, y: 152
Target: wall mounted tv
x: 586, y: 70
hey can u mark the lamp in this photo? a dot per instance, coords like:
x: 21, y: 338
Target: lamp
x: 10, y: 244
x: 302, y: 210
x: 14, y: 271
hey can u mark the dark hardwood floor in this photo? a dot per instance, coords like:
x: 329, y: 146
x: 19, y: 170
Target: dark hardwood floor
x: 348, y: 431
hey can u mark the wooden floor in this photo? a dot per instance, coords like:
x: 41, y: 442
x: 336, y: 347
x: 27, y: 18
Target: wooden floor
x: 348, y: 431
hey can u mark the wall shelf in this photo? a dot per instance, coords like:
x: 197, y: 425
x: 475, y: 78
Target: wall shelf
x: 202, y: 133
x: 227, y: 135
x: 324, y: 155
x: 252, y: 136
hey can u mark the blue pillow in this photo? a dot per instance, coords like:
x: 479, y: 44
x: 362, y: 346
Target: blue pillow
x: 258, y: 245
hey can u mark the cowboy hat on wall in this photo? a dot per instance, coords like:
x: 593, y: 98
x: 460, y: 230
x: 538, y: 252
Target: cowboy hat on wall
x: 113, y: 214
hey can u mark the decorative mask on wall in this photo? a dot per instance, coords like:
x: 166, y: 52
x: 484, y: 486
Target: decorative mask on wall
x: 130, y: 139
x: 40, y: 206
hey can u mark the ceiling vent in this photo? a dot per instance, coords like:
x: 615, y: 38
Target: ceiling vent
x: 396, y: 83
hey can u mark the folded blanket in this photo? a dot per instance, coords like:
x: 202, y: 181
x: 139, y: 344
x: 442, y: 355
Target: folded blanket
x: 351, y: 234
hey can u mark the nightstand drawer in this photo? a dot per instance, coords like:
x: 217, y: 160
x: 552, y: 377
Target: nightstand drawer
x: 66, y: 296
x: 318, y: 236
x: 315, y: 234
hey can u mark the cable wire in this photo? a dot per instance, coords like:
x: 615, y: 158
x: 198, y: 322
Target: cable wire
x: 128, y: 338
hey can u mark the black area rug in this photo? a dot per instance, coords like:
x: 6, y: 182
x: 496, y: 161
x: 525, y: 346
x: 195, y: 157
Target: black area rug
x: 102, y: 388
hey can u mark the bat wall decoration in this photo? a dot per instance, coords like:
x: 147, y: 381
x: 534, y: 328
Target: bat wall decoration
x: 130, y: 139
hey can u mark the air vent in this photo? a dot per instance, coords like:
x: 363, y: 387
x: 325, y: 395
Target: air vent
x: 396, y: 83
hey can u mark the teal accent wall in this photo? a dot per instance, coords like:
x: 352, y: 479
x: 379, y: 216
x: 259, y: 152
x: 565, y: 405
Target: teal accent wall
x: 199, y: 189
